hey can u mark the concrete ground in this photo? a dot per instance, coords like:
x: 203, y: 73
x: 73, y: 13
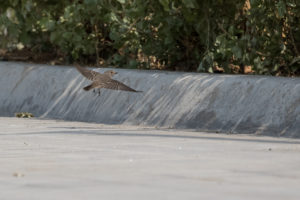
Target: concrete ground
x: 47, y: 159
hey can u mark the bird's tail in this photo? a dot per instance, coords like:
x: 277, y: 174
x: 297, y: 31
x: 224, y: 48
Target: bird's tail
x: 89, y: 87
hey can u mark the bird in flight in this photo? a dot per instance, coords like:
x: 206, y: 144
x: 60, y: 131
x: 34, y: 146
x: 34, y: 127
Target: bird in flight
x: 103, y: 80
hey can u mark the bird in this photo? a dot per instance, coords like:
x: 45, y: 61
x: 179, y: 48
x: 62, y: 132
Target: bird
x: 102, y: 80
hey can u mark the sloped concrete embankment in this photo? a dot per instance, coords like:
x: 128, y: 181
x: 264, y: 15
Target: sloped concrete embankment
x: 217, y: 103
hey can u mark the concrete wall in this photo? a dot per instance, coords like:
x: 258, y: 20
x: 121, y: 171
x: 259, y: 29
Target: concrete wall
x: 217, y: 103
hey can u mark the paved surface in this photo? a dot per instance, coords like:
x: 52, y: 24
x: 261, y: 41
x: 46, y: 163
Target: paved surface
x: 46, y: 159
x: 226, y: 103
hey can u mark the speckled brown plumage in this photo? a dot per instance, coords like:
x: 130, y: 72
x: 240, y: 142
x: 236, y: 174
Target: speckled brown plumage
x: 103, y: 80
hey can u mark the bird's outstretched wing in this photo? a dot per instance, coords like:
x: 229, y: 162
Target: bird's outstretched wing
x: 89, y: 74
x: 116, y: 85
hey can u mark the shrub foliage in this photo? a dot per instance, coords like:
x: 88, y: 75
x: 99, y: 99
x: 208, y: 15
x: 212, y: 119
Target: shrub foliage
x: 190, y: 35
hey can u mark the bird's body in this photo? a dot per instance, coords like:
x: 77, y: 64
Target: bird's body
x: 103, y: 80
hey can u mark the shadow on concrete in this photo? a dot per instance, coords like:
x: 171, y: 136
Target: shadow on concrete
x: 137, y: 133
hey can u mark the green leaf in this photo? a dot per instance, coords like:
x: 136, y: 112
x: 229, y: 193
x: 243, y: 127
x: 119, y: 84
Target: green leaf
x: 291, y: 4
x: 111, y: 17
x: 121, y: 1
x: 295, y: 60
x: 91, y: 2
x: 165, y: 4
x: 201, y: 67
x: 113, y: 35
x: 54, y: 36
x: 11, y: 15
x: 281, y: 8
x: 67, y: 35
x: 133, y: 64
x: 190, y: 3
x: 258, y: 64
x: 13, y: 30
x: 237, y: 51
x: 47, y: 24
x: 25, y: 38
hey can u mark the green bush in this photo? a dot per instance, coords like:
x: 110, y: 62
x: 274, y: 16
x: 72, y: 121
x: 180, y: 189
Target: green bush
x: 185, y: 35
x: 266, y: 37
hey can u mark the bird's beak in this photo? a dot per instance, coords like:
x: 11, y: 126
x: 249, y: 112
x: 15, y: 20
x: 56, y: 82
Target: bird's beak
x: 116, y: 72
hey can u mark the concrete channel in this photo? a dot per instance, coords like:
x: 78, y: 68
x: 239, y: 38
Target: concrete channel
x: 216, y: 103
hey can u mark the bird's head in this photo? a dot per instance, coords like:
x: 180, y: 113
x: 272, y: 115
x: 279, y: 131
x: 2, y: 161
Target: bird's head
x: 110, y: 73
